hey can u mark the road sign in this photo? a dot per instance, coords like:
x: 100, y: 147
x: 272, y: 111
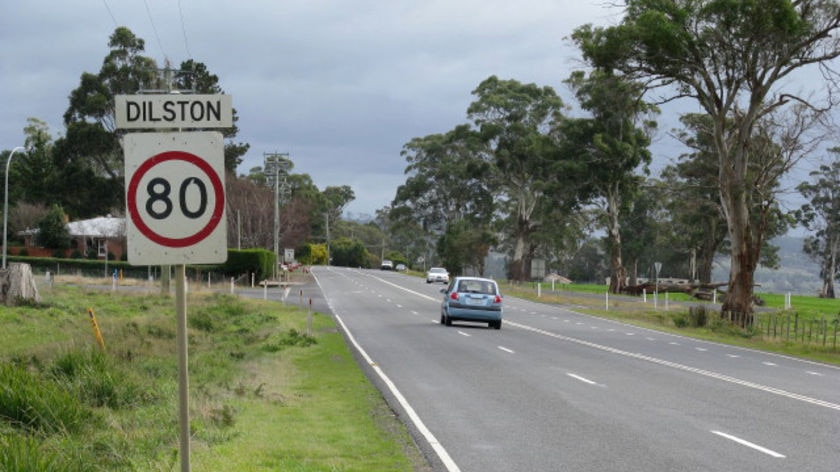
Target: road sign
x: 173, y: 111
x: 175, y: 198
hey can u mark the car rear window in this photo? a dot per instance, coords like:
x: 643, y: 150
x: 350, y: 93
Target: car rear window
x: 477, y: 286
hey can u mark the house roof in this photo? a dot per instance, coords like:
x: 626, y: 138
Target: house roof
x: 102, y: 226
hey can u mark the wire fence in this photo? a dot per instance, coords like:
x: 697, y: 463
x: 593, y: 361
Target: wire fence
x: 792, y: 327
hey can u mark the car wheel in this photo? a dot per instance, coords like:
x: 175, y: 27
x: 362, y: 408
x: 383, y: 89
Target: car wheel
x: 442, y: 319
x: 497, y: 324
x: 447, y: 321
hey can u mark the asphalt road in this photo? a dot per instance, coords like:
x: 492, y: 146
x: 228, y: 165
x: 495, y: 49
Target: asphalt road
x: 555, y: 390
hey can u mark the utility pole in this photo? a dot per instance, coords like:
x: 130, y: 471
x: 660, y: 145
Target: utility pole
x: 275, y: 163
x: 327, y: 221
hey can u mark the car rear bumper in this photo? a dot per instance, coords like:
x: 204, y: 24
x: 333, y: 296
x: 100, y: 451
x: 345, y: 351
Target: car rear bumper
x: 474, y: 313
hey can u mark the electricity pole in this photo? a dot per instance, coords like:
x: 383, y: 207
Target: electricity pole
x: 275, y: 163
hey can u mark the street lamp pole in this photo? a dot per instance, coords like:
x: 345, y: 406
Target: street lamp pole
x: 6, y: 201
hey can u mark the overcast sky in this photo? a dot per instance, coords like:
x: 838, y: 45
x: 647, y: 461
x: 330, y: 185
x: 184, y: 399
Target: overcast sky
x: 341, y: 85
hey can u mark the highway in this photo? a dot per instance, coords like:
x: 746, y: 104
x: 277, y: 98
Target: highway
x: 556, y: 390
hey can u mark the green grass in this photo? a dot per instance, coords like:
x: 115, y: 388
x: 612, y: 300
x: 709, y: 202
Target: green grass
x: 264, y: 394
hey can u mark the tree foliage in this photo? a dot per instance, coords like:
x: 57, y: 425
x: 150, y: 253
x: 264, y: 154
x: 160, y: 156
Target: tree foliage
x: 821, y: 215
x: 613, y: 143
x: 732, y: 58
x: 52, y: 230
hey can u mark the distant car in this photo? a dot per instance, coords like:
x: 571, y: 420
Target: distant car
x: 387, y: 265
x: 472, y: 299
x: 401, y: 267
x: 437, y: 274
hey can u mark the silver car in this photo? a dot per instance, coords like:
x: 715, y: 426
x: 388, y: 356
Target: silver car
x: 472, y: 299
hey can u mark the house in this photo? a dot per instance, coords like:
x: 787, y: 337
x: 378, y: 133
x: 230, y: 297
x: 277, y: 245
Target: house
x: 104, y: 234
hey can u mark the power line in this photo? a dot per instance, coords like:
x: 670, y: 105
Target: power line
x: 184, y: 31
x: 154, y: 28
x: 110, y: 13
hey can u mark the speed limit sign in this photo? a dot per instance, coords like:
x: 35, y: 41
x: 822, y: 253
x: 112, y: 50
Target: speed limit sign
x: 175, y: 198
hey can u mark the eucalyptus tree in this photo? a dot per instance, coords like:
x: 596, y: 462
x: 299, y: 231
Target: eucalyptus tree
x: 821, y: 215
x: 515, y: 123
x: 447, y: 184
x: 736, y: 59
x: 447, y: 180
x: 613, y: 147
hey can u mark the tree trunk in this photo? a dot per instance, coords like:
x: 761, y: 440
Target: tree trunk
x: 618, y: 275
x: 17, y: 285
x: 738, y: 305
x: 831, y: 271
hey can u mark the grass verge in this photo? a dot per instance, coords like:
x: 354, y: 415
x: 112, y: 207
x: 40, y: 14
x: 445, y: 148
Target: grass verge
x: 264, y: 394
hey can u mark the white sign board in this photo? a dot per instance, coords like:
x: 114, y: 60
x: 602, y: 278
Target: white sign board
x: 288, y: 255
x: 175, y: 198
x: 173, y: 111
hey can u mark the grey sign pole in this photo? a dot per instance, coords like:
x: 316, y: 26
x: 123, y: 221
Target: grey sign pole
x: 183, y: 362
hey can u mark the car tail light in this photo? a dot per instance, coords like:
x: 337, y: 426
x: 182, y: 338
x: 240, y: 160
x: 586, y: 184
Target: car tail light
x: 498, y: 299
x: 454, y: 295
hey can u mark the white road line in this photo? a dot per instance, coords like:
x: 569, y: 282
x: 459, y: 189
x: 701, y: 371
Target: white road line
x: 464, y: 334
x: 506, y: 350
x: 444, y: 456
x: 811, y: 372
x: 675, y: 365
x: 582, y: 379
x: 701, y: 349
x: 734, y: 356
x: 769, y: 364
x: 743, y: 442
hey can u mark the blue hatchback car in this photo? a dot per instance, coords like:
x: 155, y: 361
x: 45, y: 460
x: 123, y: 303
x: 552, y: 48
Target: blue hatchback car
x: 472, y: 299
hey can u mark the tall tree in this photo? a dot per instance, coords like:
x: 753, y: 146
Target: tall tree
x: 515, y: 121
x: 447, y: 184
x: 822, y: 216
x: 615, y: 146
x: 734, y: 59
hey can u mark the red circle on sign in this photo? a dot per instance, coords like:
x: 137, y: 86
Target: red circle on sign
x: 137, y: 218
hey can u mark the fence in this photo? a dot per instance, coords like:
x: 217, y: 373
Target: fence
x: 793, y: 328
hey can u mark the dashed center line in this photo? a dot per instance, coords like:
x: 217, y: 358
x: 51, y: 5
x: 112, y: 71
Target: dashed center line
x: 582, y: 379
x: 510, y: 351
x: 464, y: 334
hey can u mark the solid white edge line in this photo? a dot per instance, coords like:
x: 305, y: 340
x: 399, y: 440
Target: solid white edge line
x: 444, y: 456
x: 743, y: 442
